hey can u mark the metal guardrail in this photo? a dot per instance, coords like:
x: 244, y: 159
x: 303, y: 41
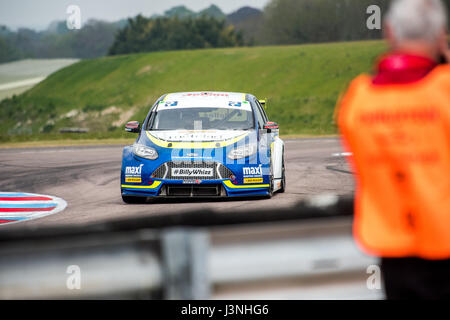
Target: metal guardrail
x: 73, y: 130
x: 179, y: 256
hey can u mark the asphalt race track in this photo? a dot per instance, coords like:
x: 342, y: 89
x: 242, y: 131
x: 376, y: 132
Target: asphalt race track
x: 87, y: 178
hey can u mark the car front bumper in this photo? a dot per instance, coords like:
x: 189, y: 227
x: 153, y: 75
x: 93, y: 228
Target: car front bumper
x: 209, y: 188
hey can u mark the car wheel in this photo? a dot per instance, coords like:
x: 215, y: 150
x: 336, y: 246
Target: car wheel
x: 133, y: 200
x: 271, y: 181
x: 271, y: 187
x: 283, y: 177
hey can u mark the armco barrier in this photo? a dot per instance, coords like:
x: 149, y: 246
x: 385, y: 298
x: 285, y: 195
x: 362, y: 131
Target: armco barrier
x: 181, y: 256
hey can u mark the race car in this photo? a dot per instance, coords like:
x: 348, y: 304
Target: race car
x: 203, y: 144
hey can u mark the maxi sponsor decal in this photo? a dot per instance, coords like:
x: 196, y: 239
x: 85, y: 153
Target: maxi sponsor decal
x: 133, y: 174
x: 252, y: 171
x: 16, y: 207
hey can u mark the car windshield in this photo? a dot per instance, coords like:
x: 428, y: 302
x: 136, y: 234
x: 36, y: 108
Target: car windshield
x: 201, y: 119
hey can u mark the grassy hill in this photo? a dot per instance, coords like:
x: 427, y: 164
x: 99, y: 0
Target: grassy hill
x: 301, y: 84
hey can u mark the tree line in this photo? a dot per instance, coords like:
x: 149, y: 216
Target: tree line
x: 310, y: 21
x: 281, y: 22
x: 93, y: 40
x: 162, y: 33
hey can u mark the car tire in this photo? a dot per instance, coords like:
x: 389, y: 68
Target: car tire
x: 271, y: 181
x: 133, y: 200
x: 283, y: 177
x: 271, y: 188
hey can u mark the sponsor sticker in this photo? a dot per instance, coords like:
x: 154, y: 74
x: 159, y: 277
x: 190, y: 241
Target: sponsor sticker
x: 192, y: 172
x: 171, y: 104
x: 234, y: 104
x: 133, y: 179
x: 253, y: 180
x: 192, y: 181
x: 252, y: 171
x: 134, y: 171
x: 209, y: 94
x: 133, y: 174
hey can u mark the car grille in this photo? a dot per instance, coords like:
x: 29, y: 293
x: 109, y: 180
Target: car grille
x: 180, y: 190
x: 219, y: 171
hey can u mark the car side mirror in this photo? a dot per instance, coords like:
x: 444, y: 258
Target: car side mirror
x: 133, y: 126
x: 270, y: 125
x: 263, y: 104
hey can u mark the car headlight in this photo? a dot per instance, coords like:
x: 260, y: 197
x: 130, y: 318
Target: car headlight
x: 242, y: 151
x: 145, y: 152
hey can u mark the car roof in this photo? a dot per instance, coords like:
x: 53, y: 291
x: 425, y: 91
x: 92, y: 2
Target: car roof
x: 198, y: 99
x: 219, y: 95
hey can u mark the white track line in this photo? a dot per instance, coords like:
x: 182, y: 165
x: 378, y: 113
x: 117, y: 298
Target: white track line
x: 342, y: 154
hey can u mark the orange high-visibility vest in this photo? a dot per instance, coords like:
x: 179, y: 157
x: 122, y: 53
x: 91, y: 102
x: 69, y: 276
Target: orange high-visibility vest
x: 400, y: 138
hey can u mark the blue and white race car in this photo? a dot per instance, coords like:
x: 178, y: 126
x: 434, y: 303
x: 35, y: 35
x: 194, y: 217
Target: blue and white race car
x: 203, y: 144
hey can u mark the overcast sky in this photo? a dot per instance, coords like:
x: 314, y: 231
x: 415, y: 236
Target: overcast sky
x: 39, y: 13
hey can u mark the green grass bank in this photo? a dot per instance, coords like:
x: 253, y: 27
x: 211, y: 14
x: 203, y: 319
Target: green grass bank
x: 300, y: 82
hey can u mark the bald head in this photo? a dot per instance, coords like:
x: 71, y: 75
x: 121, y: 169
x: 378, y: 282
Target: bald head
x: 417, y: 19
x: 417, y: 23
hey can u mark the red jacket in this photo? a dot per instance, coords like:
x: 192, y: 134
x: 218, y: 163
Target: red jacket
x: 402, y: 68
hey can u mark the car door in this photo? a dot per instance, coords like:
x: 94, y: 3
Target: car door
x: 274, y: 142
x: 261, y: 118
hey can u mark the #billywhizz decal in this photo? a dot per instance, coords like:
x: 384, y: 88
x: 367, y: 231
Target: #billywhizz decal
x: 189, y: 172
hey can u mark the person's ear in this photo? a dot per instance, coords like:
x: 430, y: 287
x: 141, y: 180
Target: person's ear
x: 443, y: 45
x: 389, y: 35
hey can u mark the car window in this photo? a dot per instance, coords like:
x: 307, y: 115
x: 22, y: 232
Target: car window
x: 259, y: 115
x: 263, y: 112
